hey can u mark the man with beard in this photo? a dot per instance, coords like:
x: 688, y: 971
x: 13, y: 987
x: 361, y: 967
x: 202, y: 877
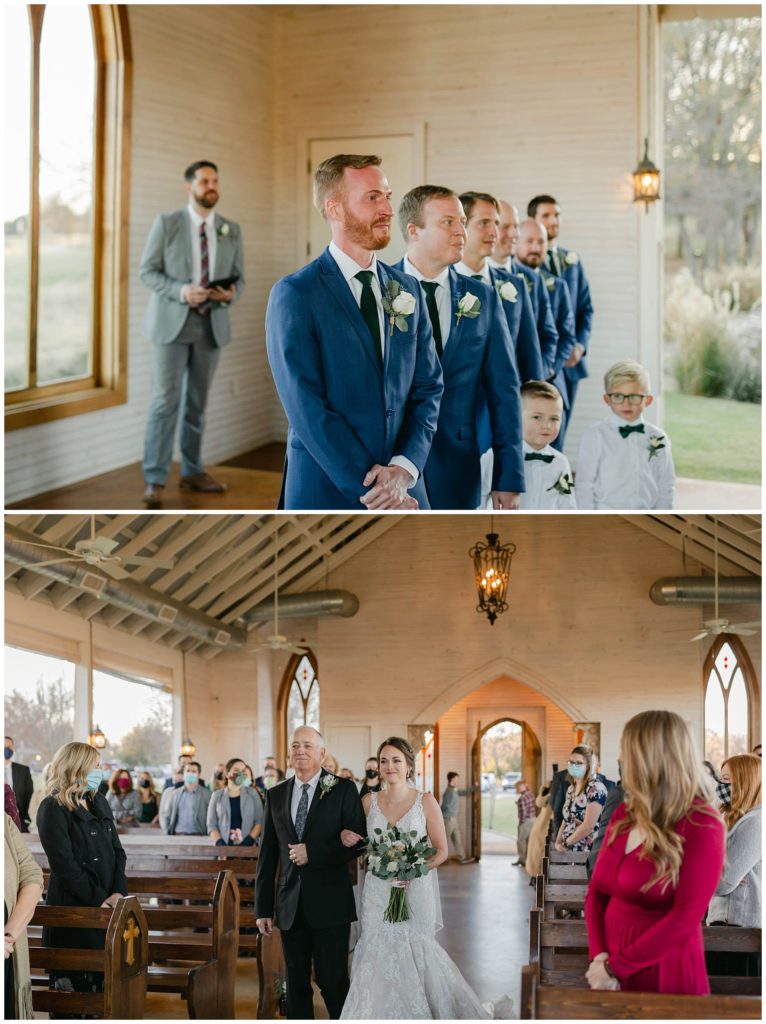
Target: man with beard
x: 566, y: 264
x: 531, y: 250
x: 188, y: 322
x: 351, y: 349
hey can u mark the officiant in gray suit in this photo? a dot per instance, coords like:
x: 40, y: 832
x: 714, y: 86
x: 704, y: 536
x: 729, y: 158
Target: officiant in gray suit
x: 188, y: 323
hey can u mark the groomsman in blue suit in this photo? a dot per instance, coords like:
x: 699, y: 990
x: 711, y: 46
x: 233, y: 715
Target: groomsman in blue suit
x: 188, y: 322
x: 567, y: 264
x: 530, y: 250
x: 482, y: 213
x: 474, y: 345
x: 351, y: 350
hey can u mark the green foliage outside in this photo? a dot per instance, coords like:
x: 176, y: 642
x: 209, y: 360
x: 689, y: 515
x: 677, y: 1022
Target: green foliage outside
x: 714, y: 438
x: 506, y: 816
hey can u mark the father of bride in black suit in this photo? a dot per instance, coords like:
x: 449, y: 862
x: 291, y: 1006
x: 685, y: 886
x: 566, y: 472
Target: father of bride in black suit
x: 303, y: 820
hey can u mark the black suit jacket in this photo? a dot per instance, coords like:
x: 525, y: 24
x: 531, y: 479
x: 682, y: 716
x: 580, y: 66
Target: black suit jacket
x: 323, y: 885
x: 22, y: 790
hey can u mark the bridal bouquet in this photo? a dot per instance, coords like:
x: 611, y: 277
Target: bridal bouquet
x: 398, y: 857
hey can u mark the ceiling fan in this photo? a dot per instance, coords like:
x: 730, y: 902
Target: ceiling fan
x: 98, y: 552
x: 716, y: 626
x: 277, y: 641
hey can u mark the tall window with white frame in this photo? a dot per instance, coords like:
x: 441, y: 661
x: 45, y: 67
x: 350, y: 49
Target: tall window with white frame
x: 302, y: 705
x: 39, y: 705
x: 727, y: 701
x: 66, y: 93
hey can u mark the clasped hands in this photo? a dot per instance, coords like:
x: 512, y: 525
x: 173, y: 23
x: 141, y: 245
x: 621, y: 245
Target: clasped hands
x: 598, y: 977
x: 389, y: 490
x: 194, y: 295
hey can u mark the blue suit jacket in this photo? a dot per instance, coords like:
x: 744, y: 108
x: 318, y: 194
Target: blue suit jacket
x: 546, y: 325
x: 561, y: 307
x: 345, y: 412
x: 480, y: 407
x: 521, y: 323
x: 579, y: 292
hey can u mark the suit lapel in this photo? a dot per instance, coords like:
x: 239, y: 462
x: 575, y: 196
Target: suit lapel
x: 383, y: 278
x: 458, y: 286
x: 293, y: 835
x: 336, y: 283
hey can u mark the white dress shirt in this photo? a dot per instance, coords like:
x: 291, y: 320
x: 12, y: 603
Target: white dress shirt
x: 212, y: 243
x: 350, y: 268
x: 442, y: 294
x: 298, y: 793
x: 540, y: 479
x: 466, y: 271
x: 505, y: 265
x: 615, y: 472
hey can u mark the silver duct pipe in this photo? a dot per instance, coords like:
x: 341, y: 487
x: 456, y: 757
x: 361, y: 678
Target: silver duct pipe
x: 126, y: 593
x: 701, y: 590
x: 312, y: 603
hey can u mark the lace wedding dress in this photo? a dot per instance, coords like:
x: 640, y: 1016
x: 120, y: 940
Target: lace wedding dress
x: 400, y: 971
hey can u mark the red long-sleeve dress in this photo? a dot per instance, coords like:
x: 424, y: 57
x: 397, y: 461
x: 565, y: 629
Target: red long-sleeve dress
x: 654, y: 938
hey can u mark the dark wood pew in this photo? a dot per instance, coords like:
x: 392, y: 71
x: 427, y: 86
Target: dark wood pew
x: 559, y: 950
x: 272, y: 977
x: 549, y: 1002
x: 123, y: 961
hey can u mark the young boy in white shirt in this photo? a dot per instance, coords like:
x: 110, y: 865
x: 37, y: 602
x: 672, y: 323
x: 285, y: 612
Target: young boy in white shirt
x: 624, y: 461
x: 547, y: 474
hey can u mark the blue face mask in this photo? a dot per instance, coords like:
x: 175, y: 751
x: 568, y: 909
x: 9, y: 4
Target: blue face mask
x: 94, y: 779
x: 8, y: 751
x: 106, y: 774
x: 190, y: 778
x: 577, y: 771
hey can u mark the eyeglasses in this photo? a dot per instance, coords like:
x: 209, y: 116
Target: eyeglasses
x: 617, y: 398
x: 575, y: 764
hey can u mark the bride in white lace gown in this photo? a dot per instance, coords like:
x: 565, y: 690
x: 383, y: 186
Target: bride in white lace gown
x: 399, y: 971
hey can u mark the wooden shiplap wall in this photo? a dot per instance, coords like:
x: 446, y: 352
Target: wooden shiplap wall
x: 202, y: 89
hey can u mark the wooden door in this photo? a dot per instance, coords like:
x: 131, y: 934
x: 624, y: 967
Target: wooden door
x: 476, y: 795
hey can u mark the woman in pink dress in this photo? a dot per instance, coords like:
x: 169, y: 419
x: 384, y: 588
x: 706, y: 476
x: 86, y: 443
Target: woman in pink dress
x: 659, y: 866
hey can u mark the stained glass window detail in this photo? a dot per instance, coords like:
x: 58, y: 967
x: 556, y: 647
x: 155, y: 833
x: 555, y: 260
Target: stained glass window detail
x: 303, y: 699
x: 727, y: 706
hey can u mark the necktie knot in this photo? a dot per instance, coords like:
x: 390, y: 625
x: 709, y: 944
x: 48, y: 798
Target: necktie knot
x: 365, y: 276
x: 626, y: 431
x: 429, y: 287
x: 531, y: 456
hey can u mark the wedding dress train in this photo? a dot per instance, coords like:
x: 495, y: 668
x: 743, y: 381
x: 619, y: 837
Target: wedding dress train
x: 399, y: 971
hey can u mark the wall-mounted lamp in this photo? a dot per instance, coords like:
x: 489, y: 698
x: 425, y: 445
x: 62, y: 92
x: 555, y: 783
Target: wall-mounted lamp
x: 646, y: 180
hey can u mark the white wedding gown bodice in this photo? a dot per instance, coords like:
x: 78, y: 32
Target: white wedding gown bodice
x: 399, y: 971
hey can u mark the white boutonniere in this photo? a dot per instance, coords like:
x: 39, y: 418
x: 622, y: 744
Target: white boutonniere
x: 398, y: 305
x: 326, y: 783
x: 507, y: 290
x: 656, y: 443
x: 530, y: 284
x: 564, y: 484
x: 550, y: 283
x: 571, y: 259
x: 469, y: 305
x: 223, y: 230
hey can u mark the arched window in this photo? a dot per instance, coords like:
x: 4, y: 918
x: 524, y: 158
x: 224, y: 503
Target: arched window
x: 729, y: 688
x: 298, y: 702
x: 67, y: 97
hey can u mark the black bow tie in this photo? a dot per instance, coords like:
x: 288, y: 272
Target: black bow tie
x: 626, y: 430
x: 530, y: 456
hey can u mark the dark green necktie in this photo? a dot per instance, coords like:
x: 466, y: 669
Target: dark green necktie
x: 477, y: 277
x: 531, y: 456
x: 552, y: 262
x: 369, y: 310
x: 627, y: 431
x: 429, y: 287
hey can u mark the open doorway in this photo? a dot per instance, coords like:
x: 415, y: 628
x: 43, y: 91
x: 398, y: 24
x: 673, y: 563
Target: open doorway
x: 504, y: 752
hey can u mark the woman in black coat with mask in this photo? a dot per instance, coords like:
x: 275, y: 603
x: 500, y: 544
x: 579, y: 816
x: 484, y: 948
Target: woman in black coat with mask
x: 86, y: 858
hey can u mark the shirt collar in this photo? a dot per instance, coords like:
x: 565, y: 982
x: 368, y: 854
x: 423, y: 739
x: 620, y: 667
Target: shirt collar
x: 349, y: 267
x: 412, y: 270
x: 196, y: 220
x: 312, y: 781
x: 547, y: 450
x: 505, y: 265
x: 616, y: 421
x: 465, y: 270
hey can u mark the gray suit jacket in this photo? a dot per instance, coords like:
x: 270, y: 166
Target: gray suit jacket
x: 166, y: 266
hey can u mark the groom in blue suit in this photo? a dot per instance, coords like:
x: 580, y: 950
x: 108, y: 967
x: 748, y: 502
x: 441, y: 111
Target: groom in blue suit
x: 351, y: 350
x: 472, y: 340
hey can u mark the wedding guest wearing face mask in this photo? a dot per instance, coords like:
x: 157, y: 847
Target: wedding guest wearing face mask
x: 736, y: 901
x: 219, y: 777
x: 124, y: 801
x: 722, y: 788
x: 371, y: 782
x: 268, y: 762
x: 150, y: 799
x: 584, y: 801
x: 185, y: 813
x: 235, y: 813
x: 86, y: 858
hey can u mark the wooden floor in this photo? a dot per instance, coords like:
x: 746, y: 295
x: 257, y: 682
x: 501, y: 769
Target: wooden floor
x: 253, y: 479
x: 486, y: 932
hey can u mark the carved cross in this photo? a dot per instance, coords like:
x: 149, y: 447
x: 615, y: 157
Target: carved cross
x: 129, y: 935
